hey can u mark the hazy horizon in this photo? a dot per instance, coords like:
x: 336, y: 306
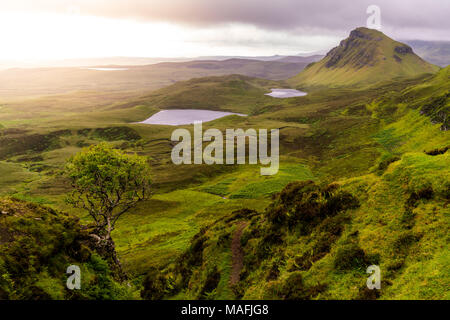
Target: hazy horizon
x: 55, y: 31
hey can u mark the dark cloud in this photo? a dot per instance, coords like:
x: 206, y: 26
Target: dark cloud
x: 314, y: 16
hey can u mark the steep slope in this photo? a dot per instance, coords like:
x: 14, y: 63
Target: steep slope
x: 317, y: 238
x: 37, y: 244
x: 367, y: 56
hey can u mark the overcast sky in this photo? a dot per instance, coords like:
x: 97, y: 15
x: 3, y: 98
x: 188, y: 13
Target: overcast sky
x: 57, y: 29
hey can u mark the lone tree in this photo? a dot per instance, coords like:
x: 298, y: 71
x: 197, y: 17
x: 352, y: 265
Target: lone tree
x: 107, y: 183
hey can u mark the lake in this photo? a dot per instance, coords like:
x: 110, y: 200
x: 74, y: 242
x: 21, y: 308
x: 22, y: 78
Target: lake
x: 286, y: 93
x: 176, y: 117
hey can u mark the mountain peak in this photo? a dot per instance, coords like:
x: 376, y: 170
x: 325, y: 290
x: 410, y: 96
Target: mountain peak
x: 365, y: 56
x: 365, y: 47
x: 365, y: 33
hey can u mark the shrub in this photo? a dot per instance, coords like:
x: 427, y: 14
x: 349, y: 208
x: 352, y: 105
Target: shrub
x: 333, y: 225
x: 350, y: 257
x: 117, y: 133
x: 38, y: 246
x: 407, y: 218
x: 365, y: 293
x: 155, y: 285
x: 211, y: 283
x: 273, y: 273
x: 426, y: 192
x: 293, y: 288
x: 404, y: 241
x: 304, y: 205
x: 266, y: 244
x: 383, y: 165
x: 437, y: 151
x: 337, y: 203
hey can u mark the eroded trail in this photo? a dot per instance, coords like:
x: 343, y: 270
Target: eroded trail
x: 237, y: 256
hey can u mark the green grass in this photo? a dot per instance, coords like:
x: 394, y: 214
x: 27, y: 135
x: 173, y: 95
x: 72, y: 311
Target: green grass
x: 332, y: 134
x: 13, y: 176
x: 265, y: 186
x: 364, y: 59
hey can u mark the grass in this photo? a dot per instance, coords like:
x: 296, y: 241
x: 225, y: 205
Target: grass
x: 337, y: 134
x: 13, y: 176
x: 265, y: 186
x: 367, y: 57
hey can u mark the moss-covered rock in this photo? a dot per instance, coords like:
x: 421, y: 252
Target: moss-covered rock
x: 37, y: 244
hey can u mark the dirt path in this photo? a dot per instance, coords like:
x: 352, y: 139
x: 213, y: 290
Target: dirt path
x: 237, y: 258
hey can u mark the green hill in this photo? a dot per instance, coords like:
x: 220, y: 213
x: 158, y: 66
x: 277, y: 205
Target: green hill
x: 37, y: 244
x: 367, y: 175
x: 366, y: 57
x: 380, y: 196
x: 235, y: 92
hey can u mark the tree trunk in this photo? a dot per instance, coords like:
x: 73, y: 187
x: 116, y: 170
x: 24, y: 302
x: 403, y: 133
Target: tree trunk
x: 115, y: 264
x: 106, y: 248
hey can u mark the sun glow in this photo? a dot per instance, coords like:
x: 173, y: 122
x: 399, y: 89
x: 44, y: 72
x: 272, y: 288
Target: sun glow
x: 53, y: 36
x: 57, y: 36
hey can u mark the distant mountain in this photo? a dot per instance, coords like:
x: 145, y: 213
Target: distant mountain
x: 273, y: 70
x: 301, y: 59
x: 367, y: 56
x: 43, y: 81
x: 298, y: 58
x: 223, y: 58
x: 437, y: 52
x: 141, y: 61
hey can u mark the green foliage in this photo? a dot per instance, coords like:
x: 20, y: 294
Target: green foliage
x: 107, y: 183
x: 37, y: 244
x: 383, y: 165
x: 117, y: 133
x: 155, y: 285
x: 10, y: 146
x: 293, y: 288
x: 348, y: 135
x: 320, y: 210
x: 211, y: 283
x: 350, y: 257
x: 438, y: 109
x: 306, y: 204
x: 438, y: 151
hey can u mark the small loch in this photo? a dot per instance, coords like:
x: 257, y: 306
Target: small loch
x: 286, y: 93
x: 176, y: 117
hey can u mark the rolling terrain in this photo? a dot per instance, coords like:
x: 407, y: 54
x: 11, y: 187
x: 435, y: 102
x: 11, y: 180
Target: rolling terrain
x: 23, y: 82
x: 363, y: 180
x: 316, y: 238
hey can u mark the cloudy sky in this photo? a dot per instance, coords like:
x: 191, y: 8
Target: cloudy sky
x: 60, y: 29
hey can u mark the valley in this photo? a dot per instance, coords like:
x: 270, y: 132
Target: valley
x: 359, y: 153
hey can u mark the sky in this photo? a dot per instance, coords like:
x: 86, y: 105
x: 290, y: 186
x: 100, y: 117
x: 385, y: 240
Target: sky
x: 67, y: 29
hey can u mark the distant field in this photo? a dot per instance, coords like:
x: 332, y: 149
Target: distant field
x: 18, y: 83
x: 347, y: 135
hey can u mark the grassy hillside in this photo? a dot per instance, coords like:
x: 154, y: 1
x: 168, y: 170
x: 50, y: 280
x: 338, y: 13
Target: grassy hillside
x: 37, y: 245
x: 366, y: 57
x: 227, y: 93
x: 369, y: 141
x: 316, y: 238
